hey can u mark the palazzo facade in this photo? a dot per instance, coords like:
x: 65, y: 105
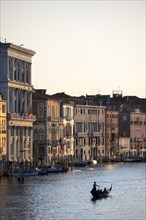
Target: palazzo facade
x: 16, y: 87
x: 89, y: 132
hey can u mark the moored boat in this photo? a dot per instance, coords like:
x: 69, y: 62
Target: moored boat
x: 99, y: 193
x: 50, y: 169
x: 42, y: 171
x: 133, y: 160
x: 56, y: 169
x: 81, y: 164
x: 18, y: 172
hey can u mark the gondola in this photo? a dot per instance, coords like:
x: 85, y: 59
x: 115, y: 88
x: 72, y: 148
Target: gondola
x: 98, y: 194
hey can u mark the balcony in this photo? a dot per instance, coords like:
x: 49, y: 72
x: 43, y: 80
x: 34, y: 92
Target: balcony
x: 69, y: 136
x: 68, y: 117
x: 97, y: 134
x: 81, y: 134
x: 17, y: 116
x: 56, y: 119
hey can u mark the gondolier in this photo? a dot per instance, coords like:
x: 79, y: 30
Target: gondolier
x: 94, y: 186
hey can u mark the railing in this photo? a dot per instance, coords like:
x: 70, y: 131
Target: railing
x: 69, y: 135
x: 17, y: 116
x: 97, y: 134
x: 68, y: 118
x: 53, y: 118
x: 81, y: 134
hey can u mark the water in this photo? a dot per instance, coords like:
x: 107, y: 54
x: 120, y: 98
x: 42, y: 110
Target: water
x: 67, y: 196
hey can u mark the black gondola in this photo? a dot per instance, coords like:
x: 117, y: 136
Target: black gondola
x: 98, y: 194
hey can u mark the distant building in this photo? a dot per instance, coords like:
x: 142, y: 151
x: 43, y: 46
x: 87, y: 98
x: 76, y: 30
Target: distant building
x: 112, y: 133
x: 15, y: 85
x: 132, y: 133
x: 137, y: 134
x: 89, y: 132
x: 48, y: 129
x: 117, y: 100
x: 67, y: 117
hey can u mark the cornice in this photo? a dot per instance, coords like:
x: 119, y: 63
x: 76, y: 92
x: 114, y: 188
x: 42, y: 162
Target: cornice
x: 17, y: 48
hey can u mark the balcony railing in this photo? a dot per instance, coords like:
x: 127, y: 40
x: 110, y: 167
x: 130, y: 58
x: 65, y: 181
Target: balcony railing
x: 53, y: 118
x: 17, y: 116
x: 81, y: 134
x: 68, y: 117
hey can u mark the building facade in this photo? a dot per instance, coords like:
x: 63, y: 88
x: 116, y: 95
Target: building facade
x: 48, y: 129
x: 137, y: 134
x: 39, y: 101
x: 68, y: 123
x: 132, y: 133
x: 16, y: 86
x: 112, y: 134
x: 89, y: 132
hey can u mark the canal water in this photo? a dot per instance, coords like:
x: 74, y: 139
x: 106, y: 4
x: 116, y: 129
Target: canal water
x: 67, y: 196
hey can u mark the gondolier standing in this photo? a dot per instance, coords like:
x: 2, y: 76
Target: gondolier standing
x: 94, y: 186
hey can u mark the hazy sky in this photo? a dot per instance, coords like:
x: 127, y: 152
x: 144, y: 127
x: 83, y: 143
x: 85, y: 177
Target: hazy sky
x: 82, y: 47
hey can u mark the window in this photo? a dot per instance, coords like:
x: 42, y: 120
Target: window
x: 67, y: 111
x: 124, y: 117
x: 79, y: 127
x: 35, y: 134
x: 68, y: 130
x: 53, y: 111
x: 94, y: 126
x: 3, y: 109
x: 40, y: 111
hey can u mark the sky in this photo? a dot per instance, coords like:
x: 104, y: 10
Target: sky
x: 82, y: 47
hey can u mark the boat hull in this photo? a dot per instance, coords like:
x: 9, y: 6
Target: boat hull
x: 57, y: 170
x: 98, y: 195
x: 25, y: 172
x: 47, y: 170
x: 81, y: 164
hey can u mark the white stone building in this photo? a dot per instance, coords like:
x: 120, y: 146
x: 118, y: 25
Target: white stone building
x: 15, y: 85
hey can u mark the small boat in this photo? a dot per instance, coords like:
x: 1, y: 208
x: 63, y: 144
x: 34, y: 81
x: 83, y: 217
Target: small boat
x: 42, y: 171
x: 18, y: 172
x: 50, y: 169
x: 56, y: 169
x: 99, y: 193
x: 133, y: 160
x: 81, y: 164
